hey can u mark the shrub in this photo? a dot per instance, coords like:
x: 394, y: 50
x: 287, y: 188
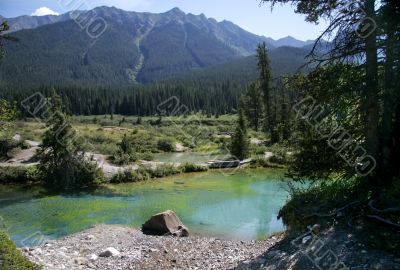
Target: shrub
x: 18, y: 174
x: 146, y: 156
x: 6, y: 145
x: 318, y: 198
x: 144, y: 173
x: 166, y: 145
x: 259, y: 163
x: 11, y: 258
x: 129, y: 176
x: 164, y: 170
x: 123, y: 159
x: 190, y: 167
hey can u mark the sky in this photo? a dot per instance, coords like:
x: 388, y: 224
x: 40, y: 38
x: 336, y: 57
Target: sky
x: 248, y: 14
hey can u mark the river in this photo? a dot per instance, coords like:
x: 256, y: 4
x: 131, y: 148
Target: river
x: 228, y: 204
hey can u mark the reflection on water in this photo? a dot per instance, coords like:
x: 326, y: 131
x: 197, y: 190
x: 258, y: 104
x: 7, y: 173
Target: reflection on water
x: 243, y: 205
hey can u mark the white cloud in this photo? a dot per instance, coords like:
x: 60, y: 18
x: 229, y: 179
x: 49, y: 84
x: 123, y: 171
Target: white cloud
x: 44, y: 11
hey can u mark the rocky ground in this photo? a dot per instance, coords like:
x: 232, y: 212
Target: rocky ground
x: 114, y: 247
x: 334, y: 248
x: 131, y: 249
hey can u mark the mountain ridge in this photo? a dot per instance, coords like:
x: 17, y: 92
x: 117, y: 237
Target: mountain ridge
x: 135, y: 48
x: 31, y: 22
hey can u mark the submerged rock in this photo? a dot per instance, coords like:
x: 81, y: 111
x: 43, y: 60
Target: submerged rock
x: 165, y: 223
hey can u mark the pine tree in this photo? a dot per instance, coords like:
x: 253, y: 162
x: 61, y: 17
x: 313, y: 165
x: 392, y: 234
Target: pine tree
x: 264, y: 67
x: 252, y: 105
x: 62, y: 162
x: 240, y: 142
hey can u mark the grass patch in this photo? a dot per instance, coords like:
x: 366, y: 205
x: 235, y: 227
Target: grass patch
x: 11, y: 258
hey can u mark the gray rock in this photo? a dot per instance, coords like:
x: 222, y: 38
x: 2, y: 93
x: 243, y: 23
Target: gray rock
x: 109, y: 252
x: 165, y: 223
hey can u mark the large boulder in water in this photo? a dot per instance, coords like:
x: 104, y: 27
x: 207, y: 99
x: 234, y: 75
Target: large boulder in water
x: 165, y: 223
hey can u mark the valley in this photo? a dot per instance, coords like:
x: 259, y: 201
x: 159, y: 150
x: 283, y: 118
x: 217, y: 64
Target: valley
x: 200, y: 135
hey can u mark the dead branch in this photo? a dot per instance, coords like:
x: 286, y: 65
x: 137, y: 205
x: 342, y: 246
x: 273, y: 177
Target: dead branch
x: 334, y: 213
x: 387, y: 210
x: 385, y: 221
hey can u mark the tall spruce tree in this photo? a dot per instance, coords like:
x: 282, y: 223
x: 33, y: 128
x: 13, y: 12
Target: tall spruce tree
x: 252, y: 105
x: 264, y: 68
x: 239, y: 147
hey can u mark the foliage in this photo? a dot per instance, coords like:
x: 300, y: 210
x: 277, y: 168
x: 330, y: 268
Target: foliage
x: 319, y: 198
x: 11, y: 258
x: 252, y: 105
x: 260, y: 163
x: 166, y: 145
x: 264, y: 68
x: 240, y: 142
x: 371, y: 102
x: 129, y: 176
x: 163, y: 170
x: 190, y: 167
x: 133, y: 148
x: 143, y: 173
x: 22, y: 174
x: 7, y: 111
x: 62, y: 162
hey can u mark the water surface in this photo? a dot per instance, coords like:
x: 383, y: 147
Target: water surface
x: 239, y: 205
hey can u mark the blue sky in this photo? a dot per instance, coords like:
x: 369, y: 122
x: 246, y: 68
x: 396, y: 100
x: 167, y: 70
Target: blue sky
x: 245, y: 13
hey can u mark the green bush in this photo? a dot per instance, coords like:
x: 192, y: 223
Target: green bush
x: 144, y: 173
x: 11, y: 258
x: 259, y: 163
x: 164, y: 170
x: 7, y: 146
x: 129, y: 176
x: 320, y: 197
x: 166, y: 145
x: 190, y: 167
x: 123, y: 159
x: 146, y: 156
x: 18, y: 174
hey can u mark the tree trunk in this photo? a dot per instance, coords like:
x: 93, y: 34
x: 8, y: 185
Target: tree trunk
x: 371, y: 106
x: 389, y: 106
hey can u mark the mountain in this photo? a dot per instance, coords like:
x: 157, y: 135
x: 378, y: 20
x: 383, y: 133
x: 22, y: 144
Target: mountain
x: 31, y: 22
x: 135, y: 48
x: 290, y: 41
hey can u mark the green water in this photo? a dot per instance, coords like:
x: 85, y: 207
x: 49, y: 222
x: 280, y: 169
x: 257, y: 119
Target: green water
x: 242, y: 205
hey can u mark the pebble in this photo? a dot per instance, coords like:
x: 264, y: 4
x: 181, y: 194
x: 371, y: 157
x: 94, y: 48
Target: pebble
x: 93, y: 257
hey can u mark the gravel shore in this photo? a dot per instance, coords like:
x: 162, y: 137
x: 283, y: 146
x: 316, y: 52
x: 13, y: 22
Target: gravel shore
x: 134, y: 250
x: 109, y: 247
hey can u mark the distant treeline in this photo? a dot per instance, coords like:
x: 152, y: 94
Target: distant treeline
x: 222, y: 98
